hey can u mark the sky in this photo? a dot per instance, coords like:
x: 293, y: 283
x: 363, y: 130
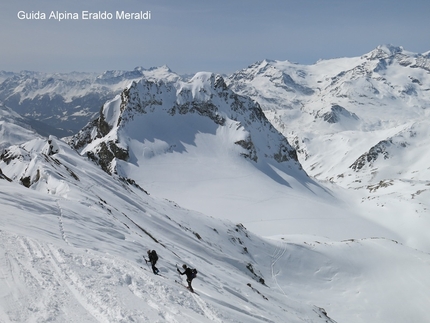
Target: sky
x: 217, y: 36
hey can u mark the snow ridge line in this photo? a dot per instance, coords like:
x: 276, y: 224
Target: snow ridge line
x: 61, y: 223
x: 277, y: 254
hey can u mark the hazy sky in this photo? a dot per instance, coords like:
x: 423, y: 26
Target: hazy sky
x: 219, y: 36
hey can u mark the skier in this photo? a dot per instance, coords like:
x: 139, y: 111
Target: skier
x: 153, y: 257
x: 191, y: 274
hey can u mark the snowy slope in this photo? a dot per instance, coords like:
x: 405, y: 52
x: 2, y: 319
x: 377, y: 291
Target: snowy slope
x: 13, y: 128
x: 73, y: 251
x: 72, y: 246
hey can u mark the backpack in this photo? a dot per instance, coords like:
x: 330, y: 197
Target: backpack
x: 154, y: 256
x: 193, y: 273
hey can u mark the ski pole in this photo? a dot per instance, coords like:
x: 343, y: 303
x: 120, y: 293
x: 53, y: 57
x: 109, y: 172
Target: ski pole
x: 179, y: 274
x: 146, y: 261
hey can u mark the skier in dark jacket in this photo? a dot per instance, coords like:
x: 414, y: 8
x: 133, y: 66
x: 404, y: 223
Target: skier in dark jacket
x: 153, y: 257
x: 190, y: 275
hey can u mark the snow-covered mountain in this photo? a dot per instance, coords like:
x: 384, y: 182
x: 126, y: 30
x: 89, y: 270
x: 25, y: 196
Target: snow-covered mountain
x: 66, y: 101
x: 199, y: 144
x: 73, y: 238
x: 332, y: 228
x: 348, y: 105
x: 361, y: 123
x: 166, y: 116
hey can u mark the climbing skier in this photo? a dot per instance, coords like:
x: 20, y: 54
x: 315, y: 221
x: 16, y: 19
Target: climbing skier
x: 191, y: 274
x: 153, y: 257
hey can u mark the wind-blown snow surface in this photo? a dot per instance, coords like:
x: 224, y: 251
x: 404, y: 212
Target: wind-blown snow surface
x: 72, y: 246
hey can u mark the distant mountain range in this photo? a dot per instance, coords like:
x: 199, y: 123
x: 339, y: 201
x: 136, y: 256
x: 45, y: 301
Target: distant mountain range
x: 65, y: 101
x: 358, y: 105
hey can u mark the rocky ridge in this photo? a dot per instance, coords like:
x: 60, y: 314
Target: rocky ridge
x: 205, y: 96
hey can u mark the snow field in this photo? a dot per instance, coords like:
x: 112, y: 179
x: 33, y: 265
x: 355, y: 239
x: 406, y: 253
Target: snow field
x: 68, y: 284
x: 62, y: 263
x: 77, y: 256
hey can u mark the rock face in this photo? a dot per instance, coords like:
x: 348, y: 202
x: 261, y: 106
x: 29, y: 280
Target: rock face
x: 335, y: 114
x: 202, y: 104
x: 368, y: 158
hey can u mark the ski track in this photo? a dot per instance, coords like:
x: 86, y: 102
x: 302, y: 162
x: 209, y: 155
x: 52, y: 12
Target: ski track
x: 41, y: 282
x: 277, y: 254
x: 61, y: 223
x: 33, y: 290
x: 8, y: 294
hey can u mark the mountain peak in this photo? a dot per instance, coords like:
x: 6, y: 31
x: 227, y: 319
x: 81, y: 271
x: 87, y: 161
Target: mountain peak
x: 390, y: 49
x: 164, y: 68
x: 385, y: 51
x: 202, y: 77
x: 202, y: 86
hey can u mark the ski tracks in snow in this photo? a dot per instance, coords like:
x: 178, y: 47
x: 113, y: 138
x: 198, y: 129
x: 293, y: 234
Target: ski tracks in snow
x: 35, y: 290
x: 277, y: 254
x: 60, y: 221
x: 41, y: 282
x: 47, y: 282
